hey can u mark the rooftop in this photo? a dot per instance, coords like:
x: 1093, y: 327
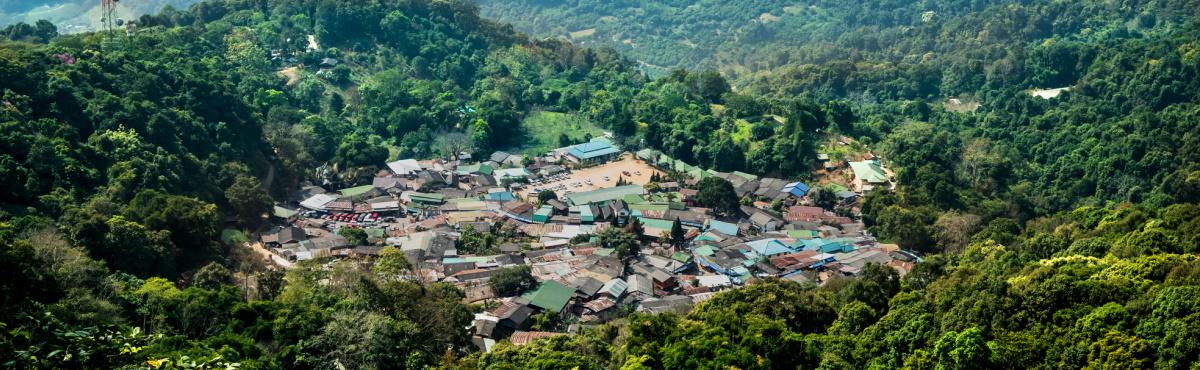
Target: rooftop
x: 592, y: 149
x: 869, y: 171
x: 550, y: 295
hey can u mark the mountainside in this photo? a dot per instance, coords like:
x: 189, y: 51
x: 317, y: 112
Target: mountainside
x: 78, y: 15
x: 746, y: 39
x: 1036, y: 164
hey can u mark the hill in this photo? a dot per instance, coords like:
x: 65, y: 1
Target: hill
x: 1058, y: 231
x: 78, y: 15
x: 746, y: 39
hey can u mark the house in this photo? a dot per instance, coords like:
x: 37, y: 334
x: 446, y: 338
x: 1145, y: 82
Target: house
x: 478, y: 168
x: 513, y: 315
x: 765, y: 222
x: 290, y: 234
x: 329, y: 63
x: 318, y: 202
x: 550, y: 295
x: 387, y: 183
x: 404, y: 167
x: 586, y: 287
x: 868, y: 174
x: 768, y: 247
x: 614, y: 289
x: 639, y: 287
x: 595, y: 151
x: 713, y: 282
x: 511, y: 174
x: 796, y: 189
x: 543, y: 214
x: 519, y: 211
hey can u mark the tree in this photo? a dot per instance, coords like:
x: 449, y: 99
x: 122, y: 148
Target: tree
x: 677, y: 234
x: 248, y: 199
x: 962, y: 351
x: 361, y: 150
x: 634, y: 227
x: 953, y: 230
x: 355, y: 236
x: 907, y: 227
x: 718, y: 194
x: 451, y: 145
x: 512, y: 281
x: 212, y: 276
x: 622, y: 242
x: 546, y: 196
x: 392, y: 262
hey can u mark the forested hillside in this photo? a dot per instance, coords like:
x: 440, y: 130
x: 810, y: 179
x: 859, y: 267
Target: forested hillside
x: 747, y: 38
x: 1060, y: 233
x: 122, y: 162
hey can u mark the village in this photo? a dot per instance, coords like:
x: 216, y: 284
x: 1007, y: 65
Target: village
x: 464, y: 221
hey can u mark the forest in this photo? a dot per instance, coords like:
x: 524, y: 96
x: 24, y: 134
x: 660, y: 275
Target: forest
x: 1060, y: 233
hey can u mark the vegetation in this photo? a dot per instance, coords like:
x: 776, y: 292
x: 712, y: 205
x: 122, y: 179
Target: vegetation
x: 512, y: 281
x: 1049, y: 303
x: 1060, y: 233
x: 544, y: 131
x: 718, y: 194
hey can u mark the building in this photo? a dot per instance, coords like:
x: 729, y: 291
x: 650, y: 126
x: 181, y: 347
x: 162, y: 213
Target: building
x: 606, y: 194
x: 550, y: 295
x: 405, y: 167
x: 596, y: 151
x: 868, y: 174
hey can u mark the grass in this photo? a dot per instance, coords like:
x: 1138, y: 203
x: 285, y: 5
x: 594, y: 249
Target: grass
x: 540, y: 132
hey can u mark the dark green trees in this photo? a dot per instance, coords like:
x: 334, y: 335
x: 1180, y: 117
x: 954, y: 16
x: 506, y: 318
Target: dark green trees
x: 512, y: 281
x: 718, y: 194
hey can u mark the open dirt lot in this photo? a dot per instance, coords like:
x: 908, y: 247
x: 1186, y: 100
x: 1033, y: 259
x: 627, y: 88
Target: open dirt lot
x: 602, y: 176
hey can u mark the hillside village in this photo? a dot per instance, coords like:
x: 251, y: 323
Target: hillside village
x: 463, y: 222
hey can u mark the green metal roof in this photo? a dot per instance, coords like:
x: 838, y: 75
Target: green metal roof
x: 550, y: 295
x: 475, y: 168
x: 748, y: 177
x: 600, y: 195
x: 427, y: 197
x: 869, y: 171
x: 357, y: 190
x: 681, y: 256
x: 706, y: 250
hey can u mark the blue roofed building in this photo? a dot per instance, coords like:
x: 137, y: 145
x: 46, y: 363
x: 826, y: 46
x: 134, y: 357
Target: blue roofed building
x: 769, y: 247
x: 726, y: 228
x: 595, y: 151
x: 796, y: 189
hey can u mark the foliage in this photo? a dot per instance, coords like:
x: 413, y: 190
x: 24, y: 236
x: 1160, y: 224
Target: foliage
x: 512, y: 281
x: 718, y: 194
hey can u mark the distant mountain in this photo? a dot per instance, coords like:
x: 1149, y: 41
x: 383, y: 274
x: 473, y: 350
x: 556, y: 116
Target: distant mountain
x: 78, y: 15
x: 747, y: 39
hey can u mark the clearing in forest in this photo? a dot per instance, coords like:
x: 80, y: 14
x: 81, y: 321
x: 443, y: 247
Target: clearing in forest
x: 540, y: 132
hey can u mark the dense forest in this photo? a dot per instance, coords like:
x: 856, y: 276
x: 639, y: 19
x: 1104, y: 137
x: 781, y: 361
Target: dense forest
x: 1062, y: 232
x: 747, y: 40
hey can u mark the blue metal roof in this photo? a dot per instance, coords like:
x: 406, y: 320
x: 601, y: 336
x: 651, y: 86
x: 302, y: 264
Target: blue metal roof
x: 723, y: 227
x: 798, y: 189
x: 768, y: 247
x: 592, y: 150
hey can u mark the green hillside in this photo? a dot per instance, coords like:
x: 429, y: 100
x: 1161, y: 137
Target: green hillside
x: 1056, y: 231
